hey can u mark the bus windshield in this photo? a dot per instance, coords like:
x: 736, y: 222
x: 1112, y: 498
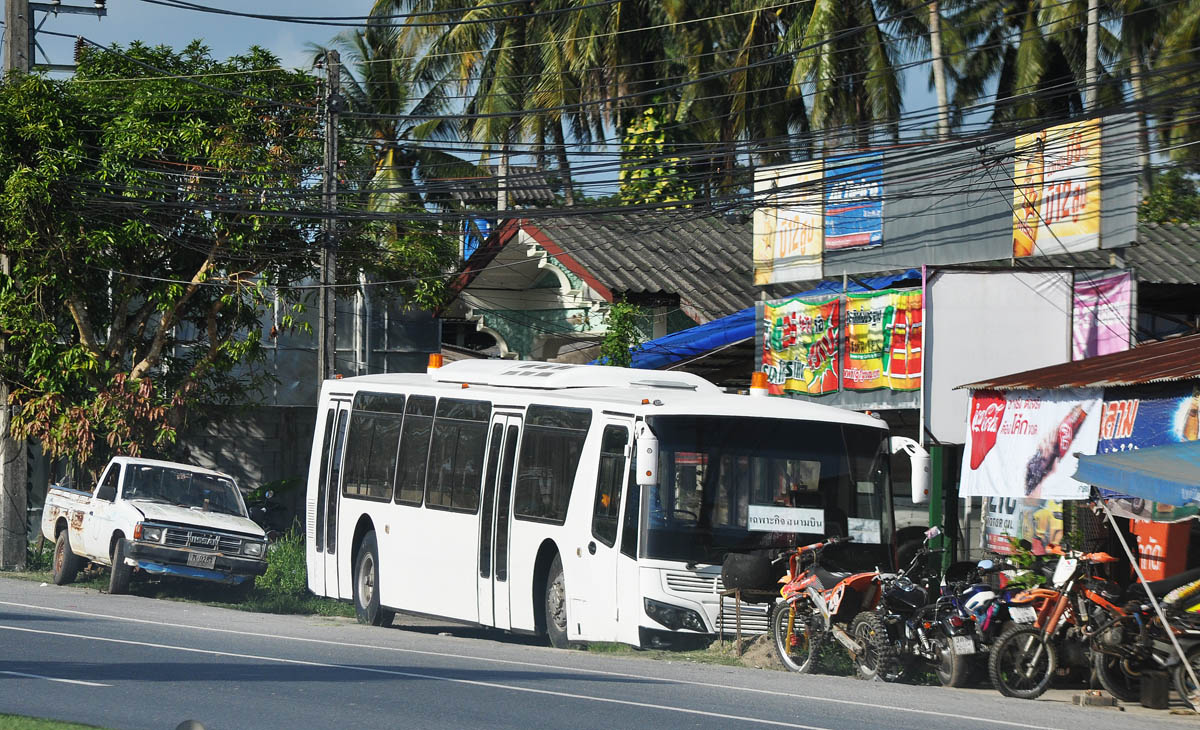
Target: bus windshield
x: 758, y: 484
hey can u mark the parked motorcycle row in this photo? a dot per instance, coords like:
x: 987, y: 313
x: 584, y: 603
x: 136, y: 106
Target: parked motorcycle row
x: 900, y: 625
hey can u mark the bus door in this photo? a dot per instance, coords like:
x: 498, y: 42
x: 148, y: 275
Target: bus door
x: 601, y: 546
x: 495, y: 518
x: 328, y: 491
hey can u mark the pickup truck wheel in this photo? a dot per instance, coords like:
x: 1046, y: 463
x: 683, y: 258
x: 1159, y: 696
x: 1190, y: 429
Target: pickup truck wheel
x: 366, y: 586
x: 66, y: 562
x: 118, y: 580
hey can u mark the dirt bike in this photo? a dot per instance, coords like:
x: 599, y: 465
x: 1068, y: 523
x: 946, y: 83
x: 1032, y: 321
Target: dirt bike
x: 904, y: 629
x: 816, y: 604
x: 1114, y: 630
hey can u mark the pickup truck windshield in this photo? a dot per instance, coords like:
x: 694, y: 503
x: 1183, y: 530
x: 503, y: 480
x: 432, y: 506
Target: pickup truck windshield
x: 184, y: 488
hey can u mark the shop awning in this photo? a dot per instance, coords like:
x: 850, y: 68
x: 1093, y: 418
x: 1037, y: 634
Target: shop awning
x: 1167, y: 474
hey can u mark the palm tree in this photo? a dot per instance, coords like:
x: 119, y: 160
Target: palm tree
x: 1171, y: 56
x: 1032, y: 52
x: 392, y: 123
x: 844, y: 59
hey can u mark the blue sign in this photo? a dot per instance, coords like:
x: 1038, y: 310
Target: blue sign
x: 1138, y: 418
x: 854, y: 201
x: 475, y: 232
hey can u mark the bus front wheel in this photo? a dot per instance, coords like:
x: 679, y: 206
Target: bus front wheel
x: 556, y: 606
x: 366, y: 585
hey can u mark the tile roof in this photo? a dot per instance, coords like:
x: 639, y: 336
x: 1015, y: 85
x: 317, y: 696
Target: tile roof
x: 1156, y: 362
x: 704, y: 260
x: 1165, y: 253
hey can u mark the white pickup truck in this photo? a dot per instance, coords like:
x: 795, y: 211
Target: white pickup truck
x: 159, y: 517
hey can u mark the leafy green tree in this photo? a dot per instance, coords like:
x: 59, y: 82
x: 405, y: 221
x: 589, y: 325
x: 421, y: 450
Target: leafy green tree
x: 650, y: 173
x: 623, y: 334
x: 155, y: 208
x: 1173, y: 199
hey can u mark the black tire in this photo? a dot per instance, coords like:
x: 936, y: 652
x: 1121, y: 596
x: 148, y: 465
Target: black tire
x: 952, y: 669
x: 366, y: 585
x: 556, y: 606
x: 66, y: 563
x: 1022, y: 663
x: 799, y: 648
x: 242, y: 591
x: 879, y: 659
x: 1122, y: 680
x: 1183, y: 683
x: 118, y: 577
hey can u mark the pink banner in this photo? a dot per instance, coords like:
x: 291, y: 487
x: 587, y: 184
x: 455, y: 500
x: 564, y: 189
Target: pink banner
x: 1103, y: 314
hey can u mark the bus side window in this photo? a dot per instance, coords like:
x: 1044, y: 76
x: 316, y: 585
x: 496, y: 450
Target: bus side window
x: 371, y: 445
x: 414, y: 449
x: 322, y: 485
x: 609, y: 477
x: 456, y: 455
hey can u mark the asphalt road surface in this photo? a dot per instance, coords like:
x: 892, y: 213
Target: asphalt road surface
x: 132, y: 663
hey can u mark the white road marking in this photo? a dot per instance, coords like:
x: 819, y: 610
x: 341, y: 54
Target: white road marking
x: 414, y: 675
x: 536, y: 665
x: 57, y: 679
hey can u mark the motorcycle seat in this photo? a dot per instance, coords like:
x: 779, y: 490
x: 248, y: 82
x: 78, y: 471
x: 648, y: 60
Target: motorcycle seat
x: 1162, y: 587
x: 828, y: 579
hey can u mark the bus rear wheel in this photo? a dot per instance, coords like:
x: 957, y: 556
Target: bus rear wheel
x: 556, y: 606
x: 366, y: 586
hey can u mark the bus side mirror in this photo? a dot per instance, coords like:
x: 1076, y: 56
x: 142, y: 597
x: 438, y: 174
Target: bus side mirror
x: 646, y: 462
x: 918, y: 458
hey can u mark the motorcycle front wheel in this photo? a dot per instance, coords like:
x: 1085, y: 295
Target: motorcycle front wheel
x: 1022, y: 663
x: 879, y: 659
x: 797, y: 636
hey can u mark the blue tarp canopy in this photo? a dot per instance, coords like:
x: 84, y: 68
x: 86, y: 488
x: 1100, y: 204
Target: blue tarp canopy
x: 739, y: 326
x: 1168, y: 474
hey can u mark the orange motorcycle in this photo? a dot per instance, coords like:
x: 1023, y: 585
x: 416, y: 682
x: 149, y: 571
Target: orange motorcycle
x: 817, y: 603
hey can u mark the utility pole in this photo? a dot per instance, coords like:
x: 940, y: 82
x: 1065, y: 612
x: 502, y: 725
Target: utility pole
x: 327, y: 338
x: 13, y: 463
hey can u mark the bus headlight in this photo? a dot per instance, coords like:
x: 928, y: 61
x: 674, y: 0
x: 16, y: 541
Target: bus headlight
x: 253, y: 549
x: 674, y: 617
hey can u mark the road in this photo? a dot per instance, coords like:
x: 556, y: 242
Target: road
x: 131, y: 663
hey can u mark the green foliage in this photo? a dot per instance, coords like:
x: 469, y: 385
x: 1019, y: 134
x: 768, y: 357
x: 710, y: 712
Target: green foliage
x: 287, y: 574
x: 650, y: 174
x: 154, y: 224
x: 1026, y: 562
x: 622, y: 335
x: 1173, y: 198
x: 21, y: 722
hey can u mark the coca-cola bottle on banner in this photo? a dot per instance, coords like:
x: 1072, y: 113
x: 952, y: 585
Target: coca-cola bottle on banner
x: 1052, y: 448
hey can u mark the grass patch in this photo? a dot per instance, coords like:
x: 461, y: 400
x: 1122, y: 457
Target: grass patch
x: 20, y: 722
x: 283, y: 589
x: 713, y: 653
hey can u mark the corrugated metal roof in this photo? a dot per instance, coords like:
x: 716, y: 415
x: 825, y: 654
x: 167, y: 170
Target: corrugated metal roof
x: 526, y: 186
x: 704, y: 260
x: 1169, y: 360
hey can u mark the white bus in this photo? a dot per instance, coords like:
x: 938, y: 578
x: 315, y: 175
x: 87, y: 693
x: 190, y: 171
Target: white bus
x: 584, y: 503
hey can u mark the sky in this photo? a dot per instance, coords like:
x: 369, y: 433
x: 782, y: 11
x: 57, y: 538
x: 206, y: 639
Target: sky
x: 134, y: 20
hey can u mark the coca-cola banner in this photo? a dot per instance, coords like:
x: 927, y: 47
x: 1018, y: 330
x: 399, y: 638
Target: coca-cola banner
x: 1056, y: 194
x: 1022, y: 444
x: 883, y: 340
x: 1103, y: 314
x: 800, y: 346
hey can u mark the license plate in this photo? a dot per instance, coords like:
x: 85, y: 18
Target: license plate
x: 201, y: 560
x: 1022, y: 614
x: 962, y: 645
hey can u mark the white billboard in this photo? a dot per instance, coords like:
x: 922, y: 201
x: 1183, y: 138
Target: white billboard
x: 984, y: 324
